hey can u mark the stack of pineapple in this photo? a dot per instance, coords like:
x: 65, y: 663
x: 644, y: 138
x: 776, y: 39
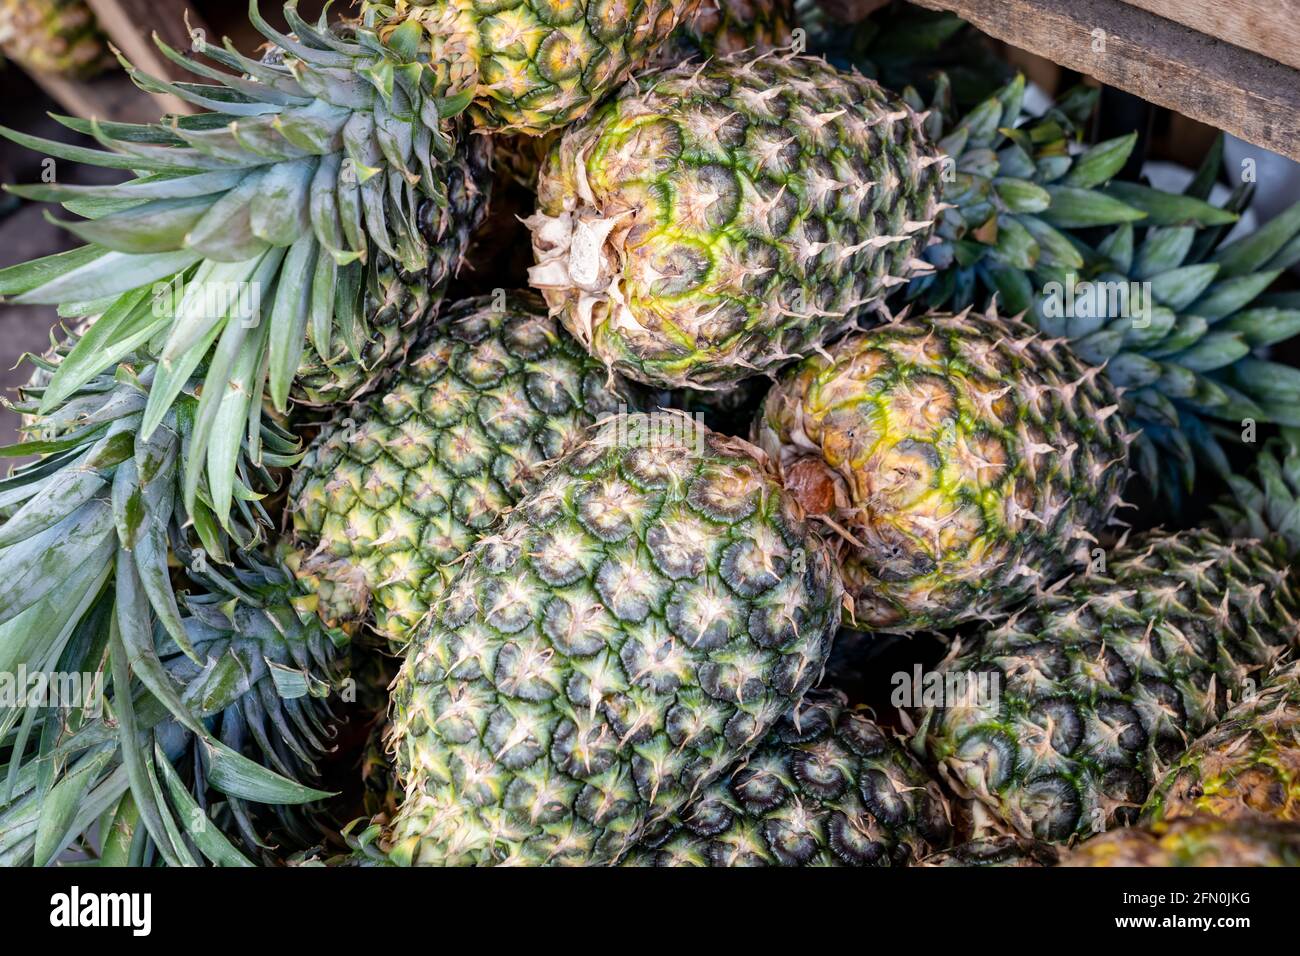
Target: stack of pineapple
x: 280, y: 454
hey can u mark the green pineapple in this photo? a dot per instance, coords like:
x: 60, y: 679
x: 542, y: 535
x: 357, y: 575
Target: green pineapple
x: 53, y: 36
x: 717, y: 219
x: 397, y: 488
x: 534, y: 65
x: 630, y: 633
x: 1107, y: 680
x: 1248, y: 765
x: 828, y: 786
x: 1196, y: 841
x: 688, y: 249
x: 1104, y: 681
x: 965, y: 461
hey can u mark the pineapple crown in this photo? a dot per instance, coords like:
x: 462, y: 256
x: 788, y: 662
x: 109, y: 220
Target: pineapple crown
x: 1266, y: 505
x: 1014, y: 183
x: 253, y: 230
x: 1179, y: 318
x: 96, y: 533
x: 234, y: 714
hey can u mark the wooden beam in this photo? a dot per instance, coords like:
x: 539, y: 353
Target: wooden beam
x: 1236, y: 90
x: 130, y: 24
x: 1270, y: 27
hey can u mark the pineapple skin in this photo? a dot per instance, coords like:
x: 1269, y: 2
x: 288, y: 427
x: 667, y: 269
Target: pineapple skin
x: 531, y: 65
x: 723, y: 27
x: 1105, y: 681
x: 827, y: 787
x: 969, y: 461
x: 400, y: 305
x: 54, y: 36
x: 1246, y: 767
x: 1194, y: 841
x: 717, y: 28
x: 399, y: 486
x: 631, y: 632
x: 716, y: 220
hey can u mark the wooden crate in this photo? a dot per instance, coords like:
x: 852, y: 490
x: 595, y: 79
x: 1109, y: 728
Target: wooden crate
x: 1234, y: 64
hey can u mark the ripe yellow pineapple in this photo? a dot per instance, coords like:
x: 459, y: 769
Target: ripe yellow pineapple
x: 1246, y: 767
x: 717, y: 220
x: 966, y: 461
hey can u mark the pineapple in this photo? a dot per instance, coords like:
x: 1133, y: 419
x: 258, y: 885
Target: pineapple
x: 965, y: 461
x: 717, y: 219
x: 397, y: 488
x: 1247, y: 766
x: 1104, y: 681
x: 828, y: 786
x: 700, y: 286
x: 1197, y: 841
x: 53, y: 36
x: 631, y: 632
x: 533, y: 65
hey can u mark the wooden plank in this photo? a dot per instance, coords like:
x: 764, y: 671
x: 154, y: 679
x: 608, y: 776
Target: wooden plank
x: 1236, y: 90
x: 1270, y: 27
x: 130, y: 24
x: 109, y: 96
